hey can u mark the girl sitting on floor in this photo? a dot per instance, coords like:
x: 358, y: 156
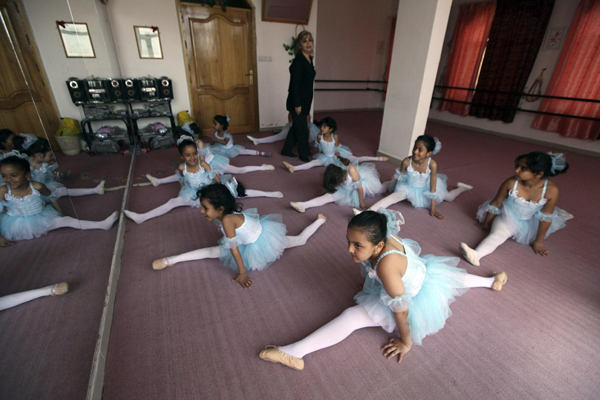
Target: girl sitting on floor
x: 418, y: 181
x: 250, y: 242
x: 403, y: 290
x: 223, y: 141
x: 524, y: 207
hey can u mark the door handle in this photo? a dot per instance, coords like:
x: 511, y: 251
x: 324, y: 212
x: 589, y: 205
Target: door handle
x: 251, y: 75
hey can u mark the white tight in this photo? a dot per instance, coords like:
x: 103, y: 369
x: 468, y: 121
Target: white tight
x: 317, y: 201
x: 397, y: 197
x: 68, y: 222
x: 248, y: 152
x: 308, y: 165
x: 364, y: 159
x: 63, y: 191
x: 168, y: 179
x: 214, y: 252
x: 499, y: 234
x: 244, y: 170
x: 350, y: 320
x: 15, y: 299
x: 274, y: 138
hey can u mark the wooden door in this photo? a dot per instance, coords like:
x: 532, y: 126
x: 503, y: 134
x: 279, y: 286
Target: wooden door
x: 220, y: 53
x: 25, y: 102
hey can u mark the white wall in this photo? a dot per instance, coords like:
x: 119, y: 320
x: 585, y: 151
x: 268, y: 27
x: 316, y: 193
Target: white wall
x: 42, y: 16
x: 274, y: 76
x: 562, y: 16
x: 353, y: 44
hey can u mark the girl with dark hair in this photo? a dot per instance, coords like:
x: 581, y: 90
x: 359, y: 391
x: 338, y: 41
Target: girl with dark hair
x: 28, y: 216
x: 10, y: 141
x: 524, y: 207
x: 250, y: 242
x: 346, y: 186
x: 330, y: 149
x: 223, y: 141
x: 403, y: 290
x: 194, y: 174
x: 418, y: 181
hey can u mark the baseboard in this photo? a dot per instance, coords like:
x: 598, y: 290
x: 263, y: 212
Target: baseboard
x: 348, y: 110
x: 516, y: 137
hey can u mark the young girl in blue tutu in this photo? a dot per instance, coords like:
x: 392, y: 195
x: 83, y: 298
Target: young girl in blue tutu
x: 250, y: 242
x: 43, y: 168
x: 27, y: 214
x: 194, y: 174
x: 418, y: 181
x: 330, y: 150
x: 524, y: 207
x: 223, y: 141
x: 346, y: 186
x: 403, y: 290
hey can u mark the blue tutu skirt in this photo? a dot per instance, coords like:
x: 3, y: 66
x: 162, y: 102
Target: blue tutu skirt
x: 525, y: 230
x: 344, y: 151
x: 430, y: 308
x: 347, y: 194
x: 190, y: 196
x: 420, y: 197
x: 54, y: 187
x: 261, y: 253
x: 16, y: 227
x: 218, y: 163
x: 327, y: 160
x: 230, y: 152
x: 313, y: 131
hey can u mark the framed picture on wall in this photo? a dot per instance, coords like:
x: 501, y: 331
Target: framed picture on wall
x: 554, y: 38
x: 148, y: 41
x: 76, y: 39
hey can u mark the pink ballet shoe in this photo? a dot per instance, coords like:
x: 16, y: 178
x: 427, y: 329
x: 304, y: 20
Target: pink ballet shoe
x: 162, y: 263
x: 59, y: 288
x: 499, y: 281
x: 273, y: 354
x: 297, y: 207
x: 288, y: 166
x: 469, y: 254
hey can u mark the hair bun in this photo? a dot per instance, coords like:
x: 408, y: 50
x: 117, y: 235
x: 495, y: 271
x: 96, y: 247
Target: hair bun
x: 438, y: 145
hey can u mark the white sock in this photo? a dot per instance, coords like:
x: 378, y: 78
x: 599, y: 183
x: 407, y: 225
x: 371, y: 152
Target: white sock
x: 157, y: 212
x: 308, y: 165
x: 393, y: 198
x: 15, y: 299
x: 301, y: 239
x: 453, y: 194
x: 273, y: 138
x: 68, y: 222
x: 200, y: 254
x: 161, y: 181
x: 260, y: 193
x: 244, y: 170
x: 499, y: 234
x: 333, y: 332
x: 317, y: 201
x: 475, y: 281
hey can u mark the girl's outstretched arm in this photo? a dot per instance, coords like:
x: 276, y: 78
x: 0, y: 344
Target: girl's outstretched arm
x: 40, y: 187
x: 497, y: 203
x: 355, y: 175
x: 432, y: 189
x: 337, y: 143
x: 207, y: 168
x: 545, y: 217
x: 229, y: 228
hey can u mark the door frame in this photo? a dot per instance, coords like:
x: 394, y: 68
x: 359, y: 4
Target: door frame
x: 252, y: 22
x: 45, y: 92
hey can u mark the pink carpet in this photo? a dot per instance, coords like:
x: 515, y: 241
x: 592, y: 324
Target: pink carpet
x: 189, y: 332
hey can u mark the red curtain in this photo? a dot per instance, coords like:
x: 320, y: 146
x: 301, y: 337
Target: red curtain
x: 577, y: 75
x: 515, y: 37
x: 468, y: 44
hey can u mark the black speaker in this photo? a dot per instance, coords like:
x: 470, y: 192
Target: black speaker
x: 97, y: 90
x: 147, y: 87
x: 130, y: 90
x: 77, y: 90
x: 165, y: 89
x: 116, y: 91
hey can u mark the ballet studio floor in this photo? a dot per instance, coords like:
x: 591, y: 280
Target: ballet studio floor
x: 189, y: 332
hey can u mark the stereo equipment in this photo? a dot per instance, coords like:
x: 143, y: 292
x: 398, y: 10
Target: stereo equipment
x: 116, y: 90
x: 165, y: 89
x: 147, y: 88
x: 97, y: 90
x: 131, y: 91
x: 77, y: 90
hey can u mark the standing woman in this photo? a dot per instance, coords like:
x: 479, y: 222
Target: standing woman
x: 300, y: 96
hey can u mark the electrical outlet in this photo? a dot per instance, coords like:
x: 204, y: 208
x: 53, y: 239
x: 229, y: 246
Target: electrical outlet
x: 265, y: 58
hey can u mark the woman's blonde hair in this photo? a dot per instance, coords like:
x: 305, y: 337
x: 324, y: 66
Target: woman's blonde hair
x: 301, y: 35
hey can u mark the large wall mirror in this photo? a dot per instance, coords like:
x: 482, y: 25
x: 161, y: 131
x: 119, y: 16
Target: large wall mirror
x: 288, y: 11
x: 76, y: 39
x: 148, y: 41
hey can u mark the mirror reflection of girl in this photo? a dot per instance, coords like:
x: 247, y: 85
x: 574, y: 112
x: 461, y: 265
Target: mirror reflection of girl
x: 403, y: 291
x: 28, y: 216
x: 330, y: 149
x: 250, y: 242
x: 524, y: 207
x: 43, y: 168
x: 9, y: 141
x: 194, y: 175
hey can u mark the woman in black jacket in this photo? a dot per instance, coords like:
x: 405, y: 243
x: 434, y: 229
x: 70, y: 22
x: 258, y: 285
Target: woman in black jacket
x: 300, y: 96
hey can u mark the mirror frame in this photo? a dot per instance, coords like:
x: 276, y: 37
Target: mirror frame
x: 62, y: 39
x: 137, y: 41
x: 287, y: 21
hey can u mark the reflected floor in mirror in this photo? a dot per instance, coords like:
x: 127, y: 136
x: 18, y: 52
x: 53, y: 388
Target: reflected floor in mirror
x: 47, y: 344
